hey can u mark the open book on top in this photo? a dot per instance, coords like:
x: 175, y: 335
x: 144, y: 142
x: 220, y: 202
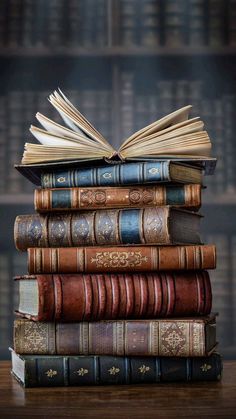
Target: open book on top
x: 173, y: 135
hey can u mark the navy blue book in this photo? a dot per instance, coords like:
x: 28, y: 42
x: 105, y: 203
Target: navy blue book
x: 54, y: 370
x: 174, y: 136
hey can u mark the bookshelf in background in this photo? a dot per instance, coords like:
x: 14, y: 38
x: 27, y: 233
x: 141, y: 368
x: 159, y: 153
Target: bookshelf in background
x: 124, y: 63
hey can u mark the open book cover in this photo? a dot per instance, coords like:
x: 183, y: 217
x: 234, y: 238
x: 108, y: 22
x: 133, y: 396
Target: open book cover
x: 173, y: 137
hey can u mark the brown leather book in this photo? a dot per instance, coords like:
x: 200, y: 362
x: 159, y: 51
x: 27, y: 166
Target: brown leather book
x: 79, y: 297
x: 120, y: 259
x: 159, y: 225
x: 180, y: 337
x: 117, y: 197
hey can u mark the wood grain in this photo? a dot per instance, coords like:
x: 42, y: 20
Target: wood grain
x: 196, y: 400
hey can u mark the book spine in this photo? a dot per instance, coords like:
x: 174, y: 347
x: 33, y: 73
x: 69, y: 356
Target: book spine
x: 119, y: 296
x: 102, y: 227
x: 106, y: 370
x: 120, y: 259
x: 112, y: 175
x: 102, y: 198
x: 178, y: 337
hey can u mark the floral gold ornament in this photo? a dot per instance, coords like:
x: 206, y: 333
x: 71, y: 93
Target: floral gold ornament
x: 205, y: 367
x: 82, y: 371
x: 51, y: 373
x: 114, y: 371
x: 118, y: 259
x: 143, y: 369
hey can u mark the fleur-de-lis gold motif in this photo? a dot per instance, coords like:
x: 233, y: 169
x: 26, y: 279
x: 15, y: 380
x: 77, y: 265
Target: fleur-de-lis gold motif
x: 114, y: 371
x: 82, y: 371
x: 205, y: 367
x: 143, y: 369
x: 51, y: 373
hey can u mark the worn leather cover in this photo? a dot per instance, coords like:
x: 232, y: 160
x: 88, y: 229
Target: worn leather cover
x: 60, y: 199
x: 164, y: 337
x: 50, y: 371
x: 106, y: 227
x: 77, y: 297
x: 44, y: 173
x: 120, y: 259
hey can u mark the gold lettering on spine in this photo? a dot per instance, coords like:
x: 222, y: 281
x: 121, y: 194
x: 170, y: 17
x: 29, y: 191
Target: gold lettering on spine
x: 198, y: 338
x: 119, y: 332
x: 153, y: 338
x: 84, y: 338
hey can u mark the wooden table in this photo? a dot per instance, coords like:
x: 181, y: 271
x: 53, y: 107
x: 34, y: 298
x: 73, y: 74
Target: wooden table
x: 208, y: 400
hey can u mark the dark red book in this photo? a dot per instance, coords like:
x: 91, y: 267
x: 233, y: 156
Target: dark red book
x: 80, y: 297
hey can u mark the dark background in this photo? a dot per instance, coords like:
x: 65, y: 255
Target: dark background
x: 124, y: 63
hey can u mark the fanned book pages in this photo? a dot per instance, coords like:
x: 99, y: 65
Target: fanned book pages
x: 173, y: 135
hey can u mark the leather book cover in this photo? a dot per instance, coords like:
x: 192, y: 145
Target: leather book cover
x: 120, y: 259
x: 79, y: 297
x: 48, y: 175
x: 180, y: 337
x: 51, y: 371
x: 158, y: 225
x: 114, y: 197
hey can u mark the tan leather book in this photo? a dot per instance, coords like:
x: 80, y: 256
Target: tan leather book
x: 120, y: 259
x: 64, y: 199
x: 180, y: 337
x: 78, y: 297
x: 155, y: 225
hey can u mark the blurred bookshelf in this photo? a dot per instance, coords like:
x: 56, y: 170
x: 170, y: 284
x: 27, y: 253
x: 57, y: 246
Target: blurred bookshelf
x: 124, y: 63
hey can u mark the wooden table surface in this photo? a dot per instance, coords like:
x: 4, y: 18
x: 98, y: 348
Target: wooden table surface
x: 207, y: 400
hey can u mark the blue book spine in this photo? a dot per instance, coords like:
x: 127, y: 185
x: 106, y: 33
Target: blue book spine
x: 110, y: 175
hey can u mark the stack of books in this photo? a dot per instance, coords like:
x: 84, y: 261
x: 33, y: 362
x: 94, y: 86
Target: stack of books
x: 117, y: 290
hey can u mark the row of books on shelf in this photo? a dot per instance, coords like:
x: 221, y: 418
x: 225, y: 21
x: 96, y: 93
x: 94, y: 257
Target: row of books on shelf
x: 146, y: 23
x: 223, y: 282
x: 136, y: 109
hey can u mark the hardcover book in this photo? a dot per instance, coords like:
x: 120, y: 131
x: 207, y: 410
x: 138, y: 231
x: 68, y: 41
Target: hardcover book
x: 156, y: 225
x: 120, y: 259
x: 100, y: 172
x: 78, y: 297
x: 173, y: 135
x: 66, y: 199
x: 166, y: 337
x: 50, y: 371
